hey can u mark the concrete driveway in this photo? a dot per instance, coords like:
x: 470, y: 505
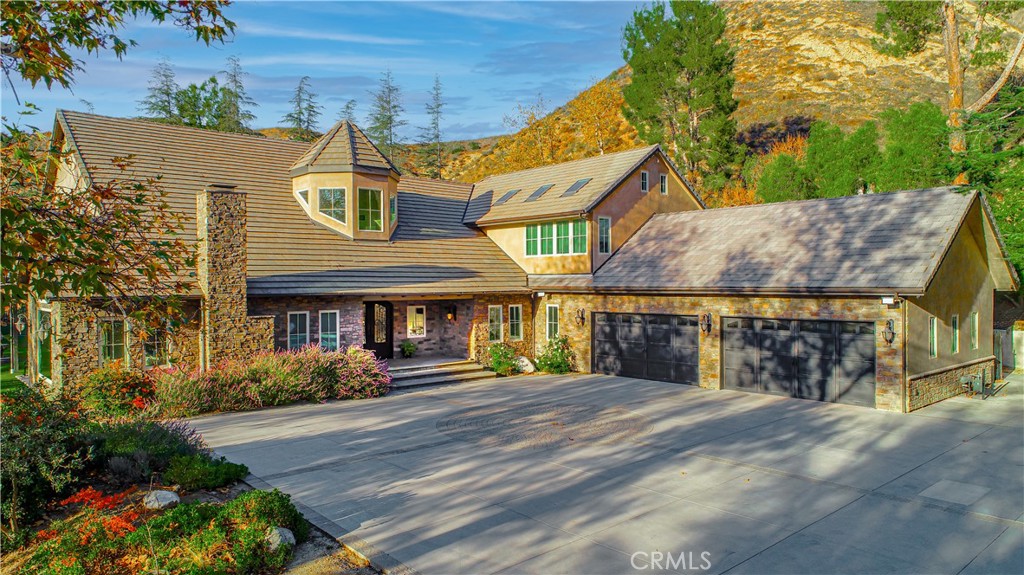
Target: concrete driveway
x: 597, y: 474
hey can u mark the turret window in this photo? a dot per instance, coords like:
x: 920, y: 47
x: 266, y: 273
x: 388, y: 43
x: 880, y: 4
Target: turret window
x: 332, y: 203
x: 370, y: 212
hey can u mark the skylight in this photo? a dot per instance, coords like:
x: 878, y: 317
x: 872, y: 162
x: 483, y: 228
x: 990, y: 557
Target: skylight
x: 575, y: 187
x: 540, y: 192
x: 508, y: 196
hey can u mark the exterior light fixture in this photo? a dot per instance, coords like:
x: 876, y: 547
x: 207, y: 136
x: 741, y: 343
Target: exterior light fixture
x: 44, y: 328
x: 581, y: 317
x: 889, y: 333
x: 453, y: 313
x: 21, y: 324
x: 888, y: 300
x: 705, y: 323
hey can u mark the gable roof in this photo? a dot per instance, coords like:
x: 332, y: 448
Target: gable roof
x: 605, y: 172
x: 875, y: 243
x: 343, y: 148
x: 431, y: 252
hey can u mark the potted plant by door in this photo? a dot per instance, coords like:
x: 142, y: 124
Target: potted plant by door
x: 408, y: 348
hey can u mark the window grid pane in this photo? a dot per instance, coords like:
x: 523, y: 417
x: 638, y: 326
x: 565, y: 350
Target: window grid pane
x: 298, y: 332
x: 552, y: 323
x: 416, y: 324
x: 531, y: 240
x: 370, y: 218
x: 515, y: 322
x: 955, y: 324
x: 494, y: 323
x: 562, y: 244
x: 329, y: 330
x: 579, y: 237
x: 155, y: 348
x: 332, y: 203
x: 604, y: 235
x: 664, y: 185
x: 933, y: 348
x: 393, y: 208
x: 112, y: 344
x: 644, y: 185
x: 974, y: 330
x: 547, y: 239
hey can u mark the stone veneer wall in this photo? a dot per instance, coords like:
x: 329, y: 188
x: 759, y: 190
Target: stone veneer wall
x: 275, y: 310
x: 442, y: 336
x: 889, y: 361
x: 934, y: 387
x: 478, y: 336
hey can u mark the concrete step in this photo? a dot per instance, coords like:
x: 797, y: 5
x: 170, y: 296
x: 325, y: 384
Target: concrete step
x: 434, y: 371
x: 399, y: 369
x: 442, y: 379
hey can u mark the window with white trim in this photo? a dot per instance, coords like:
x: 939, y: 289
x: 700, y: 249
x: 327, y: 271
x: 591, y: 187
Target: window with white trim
x: 975, y: 326
x: 515, y: 322
x: 494, y: 323
x: 604, y: 235
x: 393, y: 208
x: 552, y: 321
x: 304, y: 196
x: 298, y: 329
x: 644, y: 184
x: 370, y: 210
x: 332, y: 203
x: 954, y: 324
x: 329, y: 329
x: 933, y: 337
x: 562, y: 238
x: 113, y: 341
x: 664, y: 184
x: 416, y: 321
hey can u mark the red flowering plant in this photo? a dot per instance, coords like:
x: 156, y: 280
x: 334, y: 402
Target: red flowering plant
x: 114, y: 391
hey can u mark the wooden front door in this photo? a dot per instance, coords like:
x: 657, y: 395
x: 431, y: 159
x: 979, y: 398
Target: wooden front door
x: 380, y: 322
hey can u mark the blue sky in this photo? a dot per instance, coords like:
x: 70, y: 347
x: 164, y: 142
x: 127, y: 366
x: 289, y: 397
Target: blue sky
x: 489, y: 56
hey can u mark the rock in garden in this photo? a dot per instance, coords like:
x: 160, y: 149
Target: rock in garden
x: 161, y: 500
x: 525, y: 365
x: 278, y: 536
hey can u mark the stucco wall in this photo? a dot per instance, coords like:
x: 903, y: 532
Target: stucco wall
x: 889, y: 358
x: 961, y: 285
x: 351, y: 182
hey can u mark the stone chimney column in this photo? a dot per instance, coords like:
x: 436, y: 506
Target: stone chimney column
x: 221, y: 270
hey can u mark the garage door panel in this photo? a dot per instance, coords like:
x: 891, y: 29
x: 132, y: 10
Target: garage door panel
x: 813, y: 387
x: 686, y: 373
x: 659, y: 347
x: 607, y: 364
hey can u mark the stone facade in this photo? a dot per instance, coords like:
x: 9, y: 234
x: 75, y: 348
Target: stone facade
x: 932, y: 388
x: 350, y: 316
x: 479, y: 339
x: 889, y: 360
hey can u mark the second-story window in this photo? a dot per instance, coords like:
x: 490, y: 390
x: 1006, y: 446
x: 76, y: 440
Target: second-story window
x: 644, y: 183
x: 604, y: 235
x: 332, y: 203
x: 566, y: 237
x: 664, y: 184
x: 393, y: 208
x: 370, y: 212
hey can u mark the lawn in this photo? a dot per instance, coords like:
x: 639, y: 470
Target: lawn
x: 8, y: 380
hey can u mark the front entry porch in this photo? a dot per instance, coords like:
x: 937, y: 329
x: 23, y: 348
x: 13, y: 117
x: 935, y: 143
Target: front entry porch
x: 436, y: 330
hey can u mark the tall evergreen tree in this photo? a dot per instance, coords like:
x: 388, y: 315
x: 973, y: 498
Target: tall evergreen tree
x: 681, y: 89
x: 348, y: 112
x: 430, y: 135
x: 235, y: 112
x: 838, y: 165
x: 160, y: 102
x: 305, y: 112
x: 199, y: 105
x: 386, y: 116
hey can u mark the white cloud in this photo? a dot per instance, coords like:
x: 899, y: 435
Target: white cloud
x: 253, y: 29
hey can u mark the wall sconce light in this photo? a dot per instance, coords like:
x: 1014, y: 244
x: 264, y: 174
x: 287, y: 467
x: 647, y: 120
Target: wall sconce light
x: 705, y: 323
x: 581, y: 316
x: 44, y: 328
x: 20, y: 324
x: 453, y: 313
x: 889, y: 333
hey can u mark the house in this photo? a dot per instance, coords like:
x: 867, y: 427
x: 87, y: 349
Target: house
x: 882, y: 300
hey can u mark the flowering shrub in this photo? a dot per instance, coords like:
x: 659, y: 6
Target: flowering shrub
x: 133, y: 449
x: 503, y: 359
x: 557, y: 356
x: 41, y: 453
x: 95, y: 499
x: 308, y: 374
x: 113, y: 391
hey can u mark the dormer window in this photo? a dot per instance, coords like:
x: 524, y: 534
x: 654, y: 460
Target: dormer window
x: 332, y: 203
x: 370, y: 213
x: 393, y: 208
x: 304, y: 196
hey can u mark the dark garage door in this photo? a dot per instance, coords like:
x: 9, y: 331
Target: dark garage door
x: 647, y: 346
x: 821, y: 360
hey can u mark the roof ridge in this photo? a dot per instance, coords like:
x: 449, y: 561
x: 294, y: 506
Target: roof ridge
x: 818, y: 200
x: 321, y: 144
x: 570, y: 162
x: 152, y: 122
x: 386, y: 159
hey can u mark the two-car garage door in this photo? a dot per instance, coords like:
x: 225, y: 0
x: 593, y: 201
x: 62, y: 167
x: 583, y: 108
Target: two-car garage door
x: 822, y: 360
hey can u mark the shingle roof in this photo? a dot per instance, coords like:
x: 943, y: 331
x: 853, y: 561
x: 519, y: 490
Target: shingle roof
x: 605, y: 171
x: 432, y: 252
x: 870, y: 243
x: 343, y: 148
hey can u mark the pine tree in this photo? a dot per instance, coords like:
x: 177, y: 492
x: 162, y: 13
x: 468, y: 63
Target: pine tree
x: 305, y: 112
x: 235, y: 112
x: 430, y: 135
x: 386, y: 116
x: 199, y: 105
x: 348, y: 112
x: 160, y: 102
x: 681, y: 89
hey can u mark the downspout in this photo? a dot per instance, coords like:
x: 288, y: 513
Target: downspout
x: 905, y: 385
